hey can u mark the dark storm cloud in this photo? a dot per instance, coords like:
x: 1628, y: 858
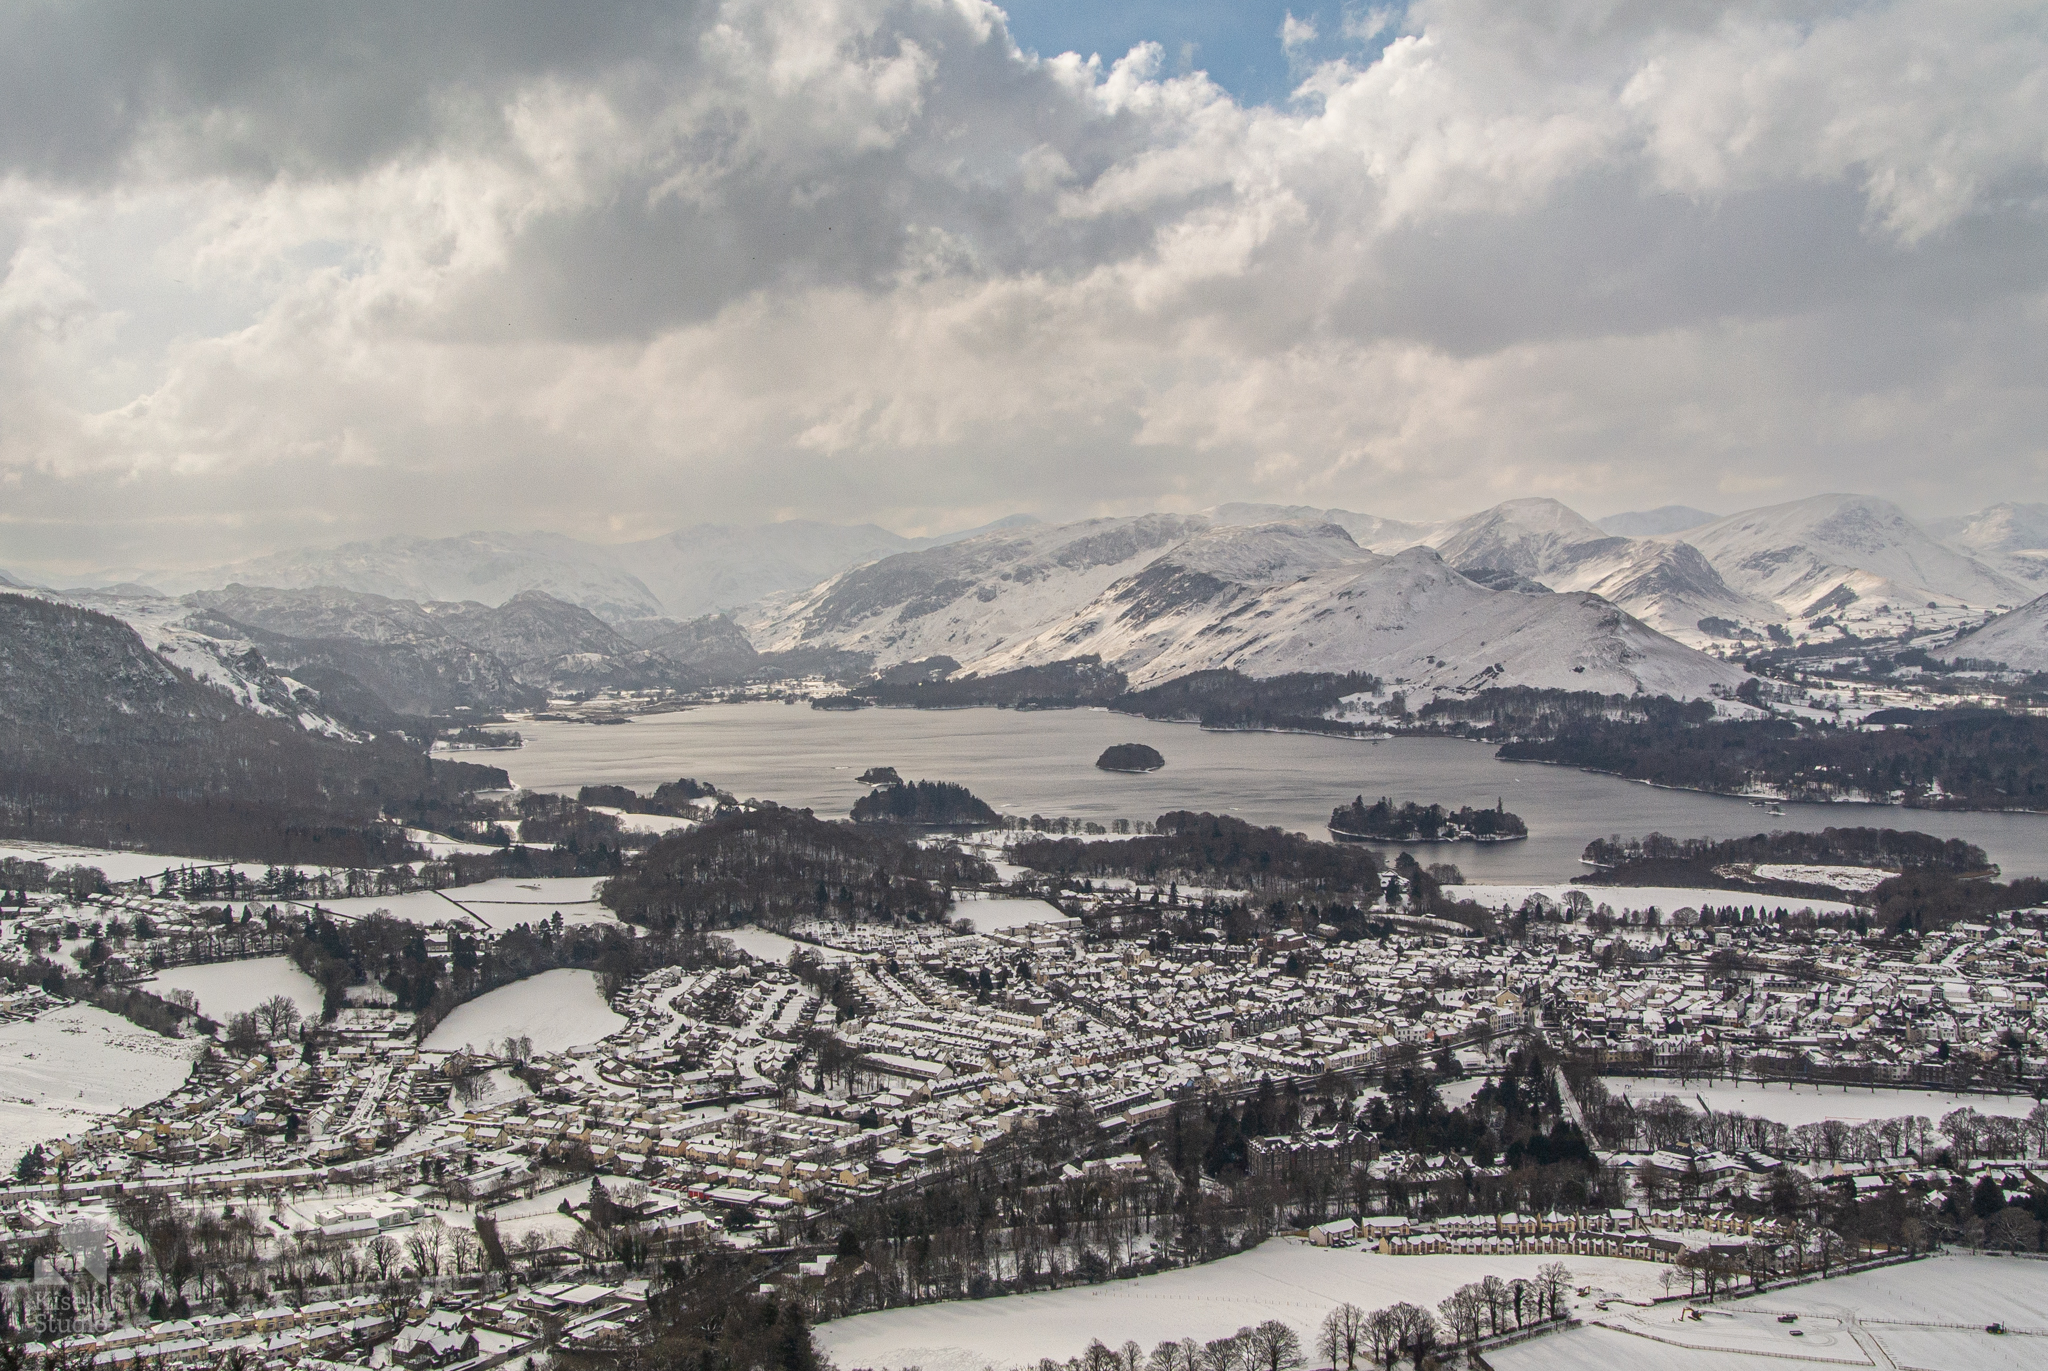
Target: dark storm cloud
x: 313, y: 89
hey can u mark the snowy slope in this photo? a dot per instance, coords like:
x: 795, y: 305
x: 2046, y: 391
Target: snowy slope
x: 1525, y: 536
x: 1670, y: 586
x: 2010, y: 537
x: 231, y: 665
x: 681, y: 575
x: 1800, y: 554
x: 1409, y: 618
x: 1369, y: 531
x: 2019, y: 639
x: 486, y: 567
x: 968, y: 599
x: 1650, y: 523
x: 1666, y: 584
x: 1158, y: 597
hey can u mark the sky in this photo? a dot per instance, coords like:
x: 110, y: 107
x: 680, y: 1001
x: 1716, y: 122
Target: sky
x: 279, y: 274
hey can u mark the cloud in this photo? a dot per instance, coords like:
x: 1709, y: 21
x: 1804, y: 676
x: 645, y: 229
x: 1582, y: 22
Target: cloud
x: 274, y: 276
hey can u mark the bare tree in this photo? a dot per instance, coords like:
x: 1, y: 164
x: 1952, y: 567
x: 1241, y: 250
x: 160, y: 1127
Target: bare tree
x: 381, y: 1252
x: 1494, y: 1291
x: 466, y: 1250
x: 1383, y: 1335
x: 278, y: 1015
x: 1418, y: 1330
x: 1342, y: 1333
x: 1273, y: 1346
x: 423, y: 1245
x: 1223, y: 1354
x: 1462, y: 1309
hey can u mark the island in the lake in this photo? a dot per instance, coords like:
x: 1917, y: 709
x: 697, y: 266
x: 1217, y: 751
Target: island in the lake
x: 1386, y: 822
x: 880, y: 775
x: 925, y: 804
x: 1130, y: 757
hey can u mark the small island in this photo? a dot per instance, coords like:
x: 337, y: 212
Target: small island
x: 925, y: 804
x: 1386, y: 822
x: 880, y: 775
x: 1130, y: 757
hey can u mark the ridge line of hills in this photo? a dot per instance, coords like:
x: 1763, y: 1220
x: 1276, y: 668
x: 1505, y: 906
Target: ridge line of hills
x: 1526, y: 593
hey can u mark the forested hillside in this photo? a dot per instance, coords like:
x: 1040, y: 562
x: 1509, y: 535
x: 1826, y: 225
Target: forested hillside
x: 1949, y: 759
x: 1212, y: 849
x: 103, y: 743
x: 775, y: 866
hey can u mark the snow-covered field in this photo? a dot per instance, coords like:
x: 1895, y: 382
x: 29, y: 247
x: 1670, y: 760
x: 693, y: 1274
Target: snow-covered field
x: 994, y: 913
x: 441, y: 845
x: 496, y: 904
x: 226, y: 988
x: 1283, y: 1278
x: 61, y: 1072
x: 557, y: 1009
x: 1929, y: 1314
x: 634, y: 822
x: 1625, y: 898
x: 118, y: 866
x: 1859, y: 878
x: 1797, y: 1104
x: 760, y: 943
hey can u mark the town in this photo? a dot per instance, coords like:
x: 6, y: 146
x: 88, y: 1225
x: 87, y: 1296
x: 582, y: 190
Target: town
x: 1150, y: 1075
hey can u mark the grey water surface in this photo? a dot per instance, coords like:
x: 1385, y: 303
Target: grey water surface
x: 1043, y: 762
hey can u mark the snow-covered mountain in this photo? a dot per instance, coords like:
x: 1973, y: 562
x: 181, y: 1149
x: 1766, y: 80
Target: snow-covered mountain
x: 488, y: 568
x: 393, y: 647
x: 1540, y: 544
x: 1369, y: 531
x: 2011, y: 537
x: 1668, y: 585
x: 230, y: 664
x: 691, y: 572
x: 552, y: 643
x: 2018, y: 638
x: 1853, y: 556
x: 1158, y: 597
x: 1653, y: 523
x: 966, y: 599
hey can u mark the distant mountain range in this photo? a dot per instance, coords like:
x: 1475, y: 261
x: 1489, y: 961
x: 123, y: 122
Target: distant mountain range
x: 1159, y: 596
x: 681, y: 575
x: 1526, y: 592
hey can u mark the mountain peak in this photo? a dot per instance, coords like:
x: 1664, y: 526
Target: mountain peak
x: 1655, y: 523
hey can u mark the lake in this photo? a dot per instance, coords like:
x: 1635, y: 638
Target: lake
x: 1043, y: 762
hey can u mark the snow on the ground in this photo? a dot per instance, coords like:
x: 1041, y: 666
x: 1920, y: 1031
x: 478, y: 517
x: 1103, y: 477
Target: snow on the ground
x: 1797, y: 1104
x: 117, y: 866
x: 1281, y: 1279
x: 61, y: 1072
x: 1457, y: 1094
x: 994, y: 913
x: 497, y: 904
x: 633, y: 821
x: 1930, y: 1313
x: 557, y: 1009
x: 493, y: 1088
x: 759, y: 943
x: 441, y: 845
x: 1624, y: 898
x: 1857, y: 878
x: 226, y: 988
